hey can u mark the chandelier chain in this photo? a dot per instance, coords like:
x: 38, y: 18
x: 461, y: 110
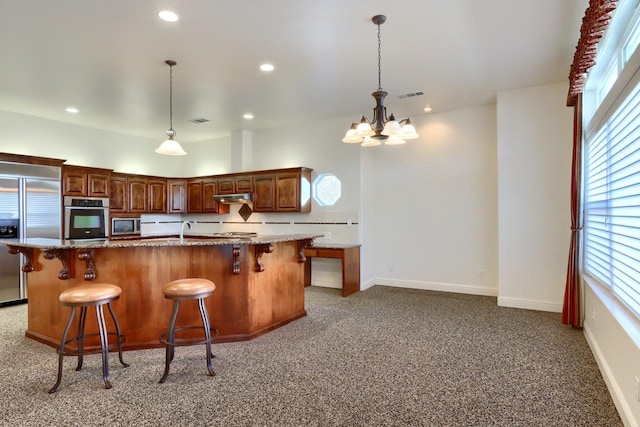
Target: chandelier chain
x: 379, y: 57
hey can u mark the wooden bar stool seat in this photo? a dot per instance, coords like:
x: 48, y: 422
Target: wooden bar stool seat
x: 188, y: 289
x: 83, y: 296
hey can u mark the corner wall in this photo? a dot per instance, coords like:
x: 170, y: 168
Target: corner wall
x: 432, y: 205
x: 535, y: 132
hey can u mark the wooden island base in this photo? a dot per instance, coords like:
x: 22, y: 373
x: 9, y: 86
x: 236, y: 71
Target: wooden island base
x: 247, y: 302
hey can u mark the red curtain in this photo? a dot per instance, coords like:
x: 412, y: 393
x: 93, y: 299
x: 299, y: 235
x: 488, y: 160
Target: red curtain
x: 594, y: 23
x: 571, y: 312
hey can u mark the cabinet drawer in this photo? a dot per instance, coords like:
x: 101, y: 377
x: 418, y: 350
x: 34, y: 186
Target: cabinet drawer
x: 323, y: 252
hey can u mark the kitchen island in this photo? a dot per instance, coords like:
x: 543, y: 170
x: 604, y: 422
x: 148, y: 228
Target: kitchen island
x: 259, y: 282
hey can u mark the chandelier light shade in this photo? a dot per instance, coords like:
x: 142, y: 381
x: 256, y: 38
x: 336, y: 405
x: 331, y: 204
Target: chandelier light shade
x: 381, y: 129
x: 170, y: 147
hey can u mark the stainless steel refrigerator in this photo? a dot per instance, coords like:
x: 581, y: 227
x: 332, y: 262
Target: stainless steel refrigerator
x: 30, y: 205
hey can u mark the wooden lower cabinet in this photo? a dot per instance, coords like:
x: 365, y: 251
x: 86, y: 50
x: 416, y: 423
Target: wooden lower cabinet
x: 248, y: 302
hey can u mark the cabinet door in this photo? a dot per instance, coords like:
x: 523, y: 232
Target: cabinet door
x: 118, y: 194
x: 194, y: 196
x: 226, y: 186
x: 210, y: 189
x: 264, y: 194
x: 157, y: 195
x: 244, y: 184
x: 138, y: 195
x: 74, y: 183
x: 287, y: 193
x: 176, y: 195
x: 98, y: 184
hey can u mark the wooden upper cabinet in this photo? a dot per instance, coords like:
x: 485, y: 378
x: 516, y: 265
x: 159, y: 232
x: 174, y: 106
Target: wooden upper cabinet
x: 78, y: 181
x: 119, y: 194
x: 264, y: 195
x: 210, y: 189
x: 194, y: 196
x: 157, y: 195
x: 293, y: 191
x: 200, y: 194
x: 244, y: 184
x: 176, y: 195
x: 226, y: 185
x: 138, y: 201
x: 98, y: 185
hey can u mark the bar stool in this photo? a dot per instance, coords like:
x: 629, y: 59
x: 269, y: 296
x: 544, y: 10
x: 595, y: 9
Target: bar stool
x: 83, y: 296
x: 180, y: 290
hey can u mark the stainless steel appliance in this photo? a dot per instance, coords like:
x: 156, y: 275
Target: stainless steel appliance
x: 85, y: 218
x: 29, y: 207
x: 125, y: 226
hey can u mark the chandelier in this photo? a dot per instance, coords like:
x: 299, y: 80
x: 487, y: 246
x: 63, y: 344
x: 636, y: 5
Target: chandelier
x: 170, y: 147
x: 387, y: 130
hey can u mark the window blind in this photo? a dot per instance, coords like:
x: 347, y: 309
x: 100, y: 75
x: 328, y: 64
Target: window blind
x: 612, y: 201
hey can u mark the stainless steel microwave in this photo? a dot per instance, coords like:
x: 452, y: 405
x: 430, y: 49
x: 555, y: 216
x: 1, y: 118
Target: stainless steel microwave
x: 125, y: 226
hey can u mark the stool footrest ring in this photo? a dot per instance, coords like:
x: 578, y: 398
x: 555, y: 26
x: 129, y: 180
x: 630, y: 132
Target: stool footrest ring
x: 179, y: 342
x: 75, y: 351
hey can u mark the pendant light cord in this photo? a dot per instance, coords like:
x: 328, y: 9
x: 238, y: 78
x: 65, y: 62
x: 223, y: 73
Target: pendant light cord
x: 171, y: 97
x: 379, y: 56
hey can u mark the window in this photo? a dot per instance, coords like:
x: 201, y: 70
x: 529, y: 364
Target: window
x: 611, y: 201
x: 327, y: 189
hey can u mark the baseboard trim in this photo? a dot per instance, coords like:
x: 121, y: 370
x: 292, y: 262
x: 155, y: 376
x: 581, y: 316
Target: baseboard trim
x: 614, y: 388
x: 437, y: 286
x: 530, y: 304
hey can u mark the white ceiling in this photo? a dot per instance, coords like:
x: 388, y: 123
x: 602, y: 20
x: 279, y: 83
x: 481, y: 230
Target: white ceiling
x: 107, y: 59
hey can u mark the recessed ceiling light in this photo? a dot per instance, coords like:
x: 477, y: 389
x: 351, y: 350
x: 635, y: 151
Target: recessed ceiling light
x: 427, y: 109
x: 248, y: 116
x: 72, y: 110
x: 267, y: 67
x: 167, y: 15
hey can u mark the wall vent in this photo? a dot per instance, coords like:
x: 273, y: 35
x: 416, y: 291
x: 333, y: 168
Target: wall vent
x: 411, y: 95
x: 199, y: 120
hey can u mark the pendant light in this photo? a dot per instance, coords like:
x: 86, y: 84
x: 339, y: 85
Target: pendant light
x: 170, y: 147
x: 390, y: 131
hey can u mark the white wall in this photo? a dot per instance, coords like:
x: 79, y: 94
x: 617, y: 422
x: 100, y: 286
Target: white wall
x: 434, y: 201
x: 84, y: 146
x: 210, y: 157
x: 613, y: 333
x: 535, y: 132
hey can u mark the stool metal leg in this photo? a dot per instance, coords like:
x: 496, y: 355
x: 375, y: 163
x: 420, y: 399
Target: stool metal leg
x: 119, y: 335
x: 104, y: 344
x: 170, y: 341
x: 207, y: 332
x: 61, y: 350
x: 81, y: 322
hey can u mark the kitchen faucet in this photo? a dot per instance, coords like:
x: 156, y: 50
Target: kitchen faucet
x: 187, y: 223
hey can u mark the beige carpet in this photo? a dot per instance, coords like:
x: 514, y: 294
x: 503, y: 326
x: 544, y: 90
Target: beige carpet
x: 382, y: 357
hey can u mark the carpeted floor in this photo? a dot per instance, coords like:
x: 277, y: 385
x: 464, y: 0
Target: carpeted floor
x: 382, y: 357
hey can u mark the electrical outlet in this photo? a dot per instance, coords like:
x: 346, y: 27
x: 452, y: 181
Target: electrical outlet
x: 637, y: 389
x: 593, y: 314
x: 481, y: 274
x: 327, y: 235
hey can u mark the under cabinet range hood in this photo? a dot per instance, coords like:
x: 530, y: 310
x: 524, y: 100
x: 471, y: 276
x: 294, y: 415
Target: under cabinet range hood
x: 233, y: 198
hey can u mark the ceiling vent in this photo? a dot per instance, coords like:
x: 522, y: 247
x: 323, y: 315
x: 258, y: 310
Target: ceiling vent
x: 411, y: 95
x: 199, y: 120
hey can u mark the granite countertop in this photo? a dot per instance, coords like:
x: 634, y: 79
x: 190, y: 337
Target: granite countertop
x: 150, y: 241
